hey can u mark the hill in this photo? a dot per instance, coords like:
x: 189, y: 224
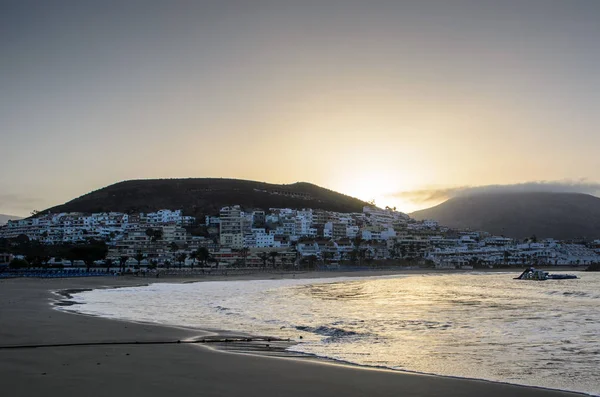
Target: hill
x: 206, y: 196
x: 558, y: 215
x: 5, y: 218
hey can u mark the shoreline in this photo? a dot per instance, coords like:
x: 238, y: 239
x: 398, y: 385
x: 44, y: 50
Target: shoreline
x: 252, y: 344
x: 78, y: 328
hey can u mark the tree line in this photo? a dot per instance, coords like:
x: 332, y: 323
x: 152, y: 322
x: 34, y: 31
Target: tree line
x: 37, y: 254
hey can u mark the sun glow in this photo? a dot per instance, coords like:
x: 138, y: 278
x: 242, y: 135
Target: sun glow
x: 381, y: 186
x: 372, y: 185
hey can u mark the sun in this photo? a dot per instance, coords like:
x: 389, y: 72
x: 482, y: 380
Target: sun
x: 380, y: 186
x: 369, y: 185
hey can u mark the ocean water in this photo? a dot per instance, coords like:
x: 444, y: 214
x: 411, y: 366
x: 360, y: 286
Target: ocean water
x: 483, y: 326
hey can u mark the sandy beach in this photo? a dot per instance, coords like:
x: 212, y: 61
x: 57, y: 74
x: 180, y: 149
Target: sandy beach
x: 27, y: 318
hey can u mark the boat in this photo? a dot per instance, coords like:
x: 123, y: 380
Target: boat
x: 540, y: 275
x: 533, y: 274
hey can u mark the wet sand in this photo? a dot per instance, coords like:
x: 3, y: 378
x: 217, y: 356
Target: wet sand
x: 27, y: 318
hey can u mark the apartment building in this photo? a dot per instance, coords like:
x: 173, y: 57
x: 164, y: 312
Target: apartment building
x: 231, y: 231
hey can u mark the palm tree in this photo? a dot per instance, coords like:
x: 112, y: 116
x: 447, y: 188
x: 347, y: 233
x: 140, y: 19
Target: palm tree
x: 108, y: 264
x: 296, y: 255
x: 369, y: 256
x: 244, y: 253
x: 264, y: 257
x: 203, y: 254
x: 354, y: 255
x: 181, y: 258
x: 123, y: 262
x: 412, y: 248
x: 193, y: 255
x: 311, y: 261
x: 402, y: 251
x: 394, y: 251
x: 173, y: 247
x: 138, y: 257
x: 273, y: 255
x: 362, y: 254
x: 213, y: 259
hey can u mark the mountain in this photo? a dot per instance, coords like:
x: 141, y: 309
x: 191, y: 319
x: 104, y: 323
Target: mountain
x: 558, y: 215
x: 206, y: 196
x: 6, y: 218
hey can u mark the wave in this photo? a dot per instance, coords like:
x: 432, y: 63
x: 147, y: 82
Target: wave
x: 574, y: 294
x: 330, y: 332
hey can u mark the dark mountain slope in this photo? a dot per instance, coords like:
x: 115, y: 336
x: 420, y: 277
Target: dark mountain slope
x: 205, y: 196
x: 557, y: 215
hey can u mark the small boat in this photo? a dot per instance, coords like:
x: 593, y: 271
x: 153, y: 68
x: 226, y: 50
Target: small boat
x: 540, y: 275
x: 533, y: 274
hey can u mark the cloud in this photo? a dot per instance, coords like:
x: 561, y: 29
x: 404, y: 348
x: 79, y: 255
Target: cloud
x: 431, y: 195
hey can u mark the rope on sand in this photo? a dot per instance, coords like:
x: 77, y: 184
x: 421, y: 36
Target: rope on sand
x: 168, y: 342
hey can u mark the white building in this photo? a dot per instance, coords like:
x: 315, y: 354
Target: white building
x: 430, y: 223
x: 352, y: 231
x: 259, y: 238
x: 232, y: 227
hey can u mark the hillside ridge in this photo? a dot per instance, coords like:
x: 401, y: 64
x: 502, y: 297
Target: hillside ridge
x: 206, y: 196
x: 520, y: 215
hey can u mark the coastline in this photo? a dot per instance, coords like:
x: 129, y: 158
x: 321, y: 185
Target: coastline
x: 155, y: 369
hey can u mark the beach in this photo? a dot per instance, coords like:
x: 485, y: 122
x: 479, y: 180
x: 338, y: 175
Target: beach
x: 121, y: 367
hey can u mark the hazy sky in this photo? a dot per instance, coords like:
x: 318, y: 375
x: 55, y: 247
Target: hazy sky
x: 369, y: 98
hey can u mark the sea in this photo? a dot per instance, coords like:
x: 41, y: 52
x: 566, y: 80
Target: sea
x: 475, y: 325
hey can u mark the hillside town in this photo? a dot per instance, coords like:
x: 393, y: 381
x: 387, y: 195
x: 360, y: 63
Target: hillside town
x: 280, y: 238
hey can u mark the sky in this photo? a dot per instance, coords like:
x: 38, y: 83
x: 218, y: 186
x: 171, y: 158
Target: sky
x: 396, y: 101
